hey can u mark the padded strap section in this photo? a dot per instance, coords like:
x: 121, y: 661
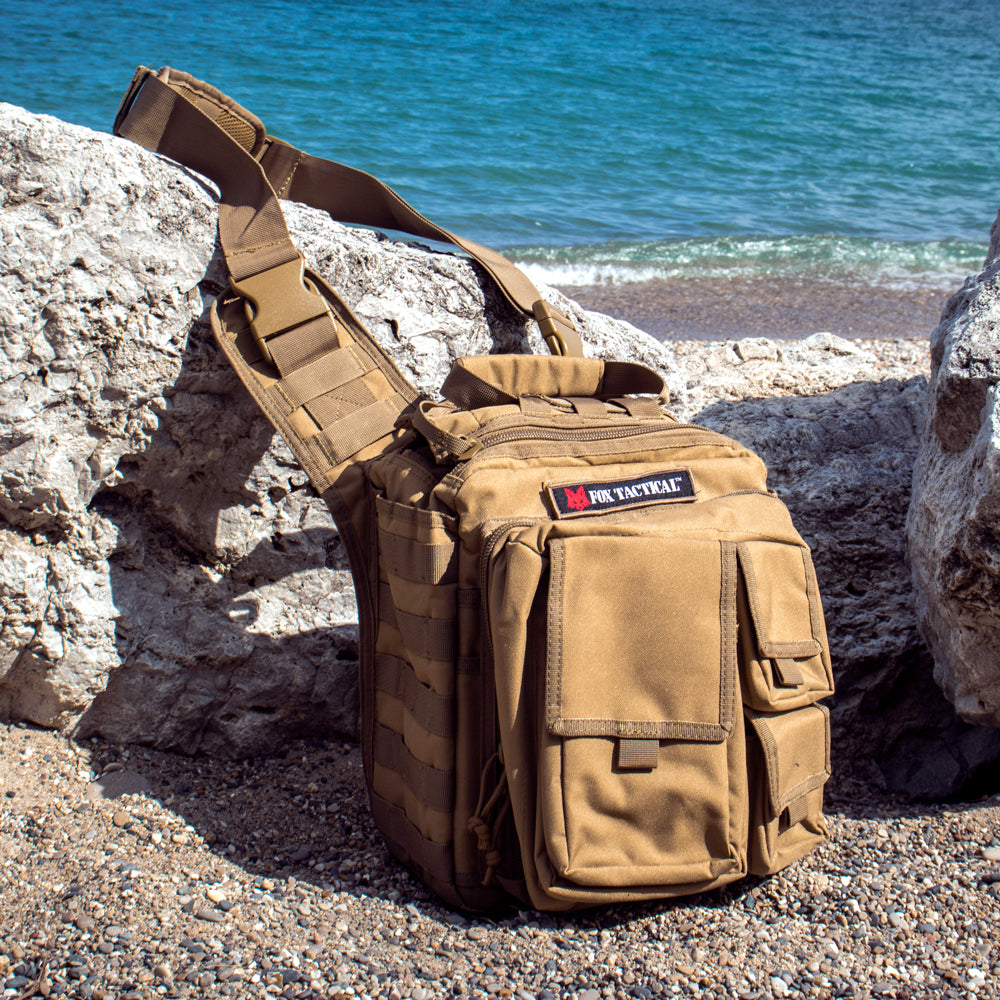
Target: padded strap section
x: 428, y: 709
x: 434, y: 788
x: 252, y: 227
x: 357, y: 429
x: 499, y: 379
x: 326, y: 373
x: 626, y: 378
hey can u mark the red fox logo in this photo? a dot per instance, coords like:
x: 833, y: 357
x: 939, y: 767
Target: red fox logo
x: 576, y: 499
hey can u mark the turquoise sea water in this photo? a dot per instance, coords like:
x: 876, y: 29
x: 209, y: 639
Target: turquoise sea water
x: 604, y: 141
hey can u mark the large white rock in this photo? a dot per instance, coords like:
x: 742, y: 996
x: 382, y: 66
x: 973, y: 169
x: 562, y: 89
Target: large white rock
x: 954, y: 522
x: 166, y: 573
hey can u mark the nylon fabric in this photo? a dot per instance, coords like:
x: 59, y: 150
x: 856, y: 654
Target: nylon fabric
x: 430, y: 710
x: 428, y: 785
x: 324, y: 374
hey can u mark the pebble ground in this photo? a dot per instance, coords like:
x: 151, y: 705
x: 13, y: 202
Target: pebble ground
x: 129, y: 873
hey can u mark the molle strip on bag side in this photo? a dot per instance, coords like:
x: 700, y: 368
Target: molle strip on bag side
x: 432, y: 786
x: 429, y: 638
x: 428, y: 709
x: 418, y: 554
x: 422, y: 562
x: 365, y: 577
x: 432, y: 859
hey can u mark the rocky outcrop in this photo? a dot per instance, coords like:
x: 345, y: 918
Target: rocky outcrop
x: 169, y: 577
x: 954, y: 522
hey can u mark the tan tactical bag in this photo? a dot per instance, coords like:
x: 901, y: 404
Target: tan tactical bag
x: 592, y: 646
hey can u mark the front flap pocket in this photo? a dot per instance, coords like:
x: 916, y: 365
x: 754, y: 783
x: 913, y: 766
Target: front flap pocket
x: 785, y: 658
x: 641, y: 638
x: 789, y: 761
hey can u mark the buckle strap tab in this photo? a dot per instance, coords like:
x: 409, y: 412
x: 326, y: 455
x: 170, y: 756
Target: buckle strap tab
x: 277, y: 300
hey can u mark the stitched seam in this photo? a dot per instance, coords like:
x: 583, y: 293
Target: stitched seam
x: 288, y: 179
x: 727, y: 621
x: 554, y: 651
x: 258, y: 247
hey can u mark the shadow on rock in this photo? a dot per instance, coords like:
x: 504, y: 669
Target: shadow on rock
x: 235, y: 628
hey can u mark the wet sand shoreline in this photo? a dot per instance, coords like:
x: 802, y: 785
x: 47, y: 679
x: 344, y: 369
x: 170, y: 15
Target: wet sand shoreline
x: 725, y: 309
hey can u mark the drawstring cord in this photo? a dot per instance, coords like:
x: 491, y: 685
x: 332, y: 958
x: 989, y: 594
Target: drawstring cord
x: 486, y: 835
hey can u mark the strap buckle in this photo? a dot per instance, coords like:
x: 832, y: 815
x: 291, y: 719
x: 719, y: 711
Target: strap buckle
x: 558, y: 330
x: 277, y: 300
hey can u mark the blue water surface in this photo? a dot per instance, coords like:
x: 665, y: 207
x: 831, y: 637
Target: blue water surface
x: 614, y: 131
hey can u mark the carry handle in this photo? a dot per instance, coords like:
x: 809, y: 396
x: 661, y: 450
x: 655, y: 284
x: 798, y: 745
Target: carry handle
x: 505, y: 379
x: 496, y: 379
x: 190, y: 121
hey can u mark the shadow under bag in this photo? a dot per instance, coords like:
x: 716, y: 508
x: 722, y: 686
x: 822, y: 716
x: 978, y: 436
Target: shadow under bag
x: 592, y: 645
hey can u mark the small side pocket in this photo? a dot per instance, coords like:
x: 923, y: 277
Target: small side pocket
x: 784, y: 655
x: 788, y: 757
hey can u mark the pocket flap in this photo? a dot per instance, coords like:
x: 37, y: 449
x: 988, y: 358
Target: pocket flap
x: 641, y: 638
x: 783, y: 598
x: 796, y: 749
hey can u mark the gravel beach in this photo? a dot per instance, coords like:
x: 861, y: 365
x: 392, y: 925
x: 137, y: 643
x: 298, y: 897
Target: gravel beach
x: 208, y: 878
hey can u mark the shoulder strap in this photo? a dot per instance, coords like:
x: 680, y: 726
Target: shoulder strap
x: 172, y: 113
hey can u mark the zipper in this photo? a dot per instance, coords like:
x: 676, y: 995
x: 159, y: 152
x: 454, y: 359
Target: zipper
x: 546, y: 432
x: 541, y: 432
